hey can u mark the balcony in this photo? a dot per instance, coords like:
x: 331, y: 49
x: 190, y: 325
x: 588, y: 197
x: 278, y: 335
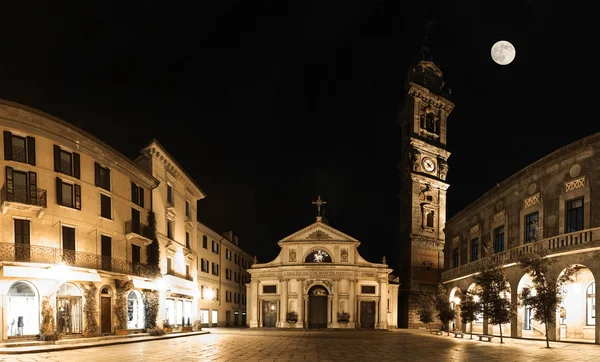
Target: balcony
x: 23, y: 198
x: 136, y: 230
x: 10, y: 252
x: 564, y: 243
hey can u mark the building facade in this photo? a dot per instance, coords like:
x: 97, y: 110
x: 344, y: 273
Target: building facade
x: 75, y: 211
x: 320, y: 275
x: 553, y: 203
x: 423, y: 166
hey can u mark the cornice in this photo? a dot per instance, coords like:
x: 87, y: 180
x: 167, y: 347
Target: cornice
x: 429, y: 180
x: 39, y: 123
x: 424, y: 94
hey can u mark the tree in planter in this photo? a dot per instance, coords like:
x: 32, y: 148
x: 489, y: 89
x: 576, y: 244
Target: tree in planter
x: 549, y: 290
x: 444, y: 308
x: 48, y: 330
x: 151, y: 305
x: 153, y: 250
x: 89, y: 310
x: 426, y: 308
x: 469, y: 309
x: 291, y: 318
x: 493, y: 290
x: 343, y: 317
x: 122, y: 286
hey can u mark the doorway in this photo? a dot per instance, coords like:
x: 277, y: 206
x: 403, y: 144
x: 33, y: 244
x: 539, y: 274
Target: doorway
x: 68, y: 309
x: 367, y: 314
x: 105, y: 311
x: 317, y: 307
x: 269, y: 314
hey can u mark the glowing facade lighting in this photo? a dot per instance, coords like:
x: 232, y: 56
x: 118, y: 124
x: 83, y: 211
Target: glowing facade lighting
x: 209, y: 294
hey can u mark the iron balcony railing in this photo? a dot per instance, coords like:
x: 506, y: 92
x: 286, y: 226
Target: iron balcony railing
x: 554, y: 244
x: 135, y: 227
x: 23, y: 194
x: 44, y: 254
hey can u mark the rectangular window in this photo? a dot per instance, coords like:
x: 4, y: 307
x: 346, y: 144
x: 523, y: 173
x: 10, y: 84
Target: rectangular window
x: 106, y: 246
x: 20, y: 149
x: 215, y: 269
x: 170, y: 194
x: 66, y: 162
x: 169, y: 266
x: 204, y: 265
x: 68, y: 238
x: 228, y: 273
x: 105, y: 206
x: 455, y: 255
x: 227, y: 254
x: 215, y: 247
x: 236, y: 259
x: 102, y: 176
x: 236, y: 277
x: 531, y: 227
x: 574, y: 216
x: 204, y: 242
x: 187, y: 209
x: 137, y: 194
x: 187, y: 240
x: 136, y: 253
x: 243, y: 263
x: 22, y: 240
x: 499, y: 239
x: 269, y: 289
x: 367, y: 289
x: 474, y: 249
x: 170, y: 229
x: 68, y: 194
x: 188, y: 272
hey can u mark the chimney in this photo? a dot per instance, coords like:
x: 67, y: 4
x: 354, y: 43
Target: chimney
x: 228, y: 235
x: 235, y: 240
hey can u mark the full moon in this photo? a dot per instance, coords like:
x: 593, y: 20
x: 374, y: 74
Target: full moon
x: 503, y: 52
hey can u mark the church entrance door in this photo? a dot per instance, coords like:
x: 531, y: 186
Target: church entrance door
x: 367, y: 314
x: 317, y: 313
x: 269, y: 314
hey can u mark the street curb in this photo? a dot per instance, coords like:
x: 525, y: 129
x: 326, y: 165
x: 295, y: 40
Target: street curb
x: 55, y: 348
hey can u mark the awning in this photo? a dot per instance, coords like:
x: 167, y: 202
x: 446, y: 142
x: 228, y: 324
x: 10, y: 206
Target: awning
x: 144, y: 284
x: 49, y: 273
x: 187, y: 292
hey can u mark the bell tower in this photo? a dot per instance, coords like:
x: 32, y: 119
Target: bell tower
x: 423, y: 168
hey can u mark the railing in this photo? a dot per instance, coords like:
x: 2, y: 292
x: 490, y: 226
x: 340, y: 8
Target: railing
x: 44, y: 254
x: 132, y: 226
x: 554, y: 245
x: 23, y: 194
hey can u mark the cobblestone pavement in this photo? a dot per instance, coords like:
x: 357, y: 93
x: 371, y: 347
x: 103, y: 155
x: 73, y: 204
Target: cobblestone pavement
x: 289, y: 345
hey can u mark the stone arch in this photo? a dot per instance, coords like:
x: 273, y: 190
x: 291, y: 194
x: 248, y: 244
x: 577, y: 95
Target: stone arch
x: 328, y: 257
x: 455, y: 300
x: 506, y: 328
x: 477, y: 325
x: 526, y: 326
x: 135, y: 310
x: 574, y: 318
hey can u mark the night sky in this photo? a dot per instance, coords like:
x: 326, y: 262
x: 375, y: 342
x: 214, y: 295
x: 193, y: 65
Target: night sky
x: 268, y: 104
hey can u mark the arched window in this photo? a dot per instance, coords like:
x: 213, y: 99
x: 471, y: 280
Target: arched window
x: 22, y: 310
x: 318, y: 256
x: 135, y: 310
x: 591, y: 304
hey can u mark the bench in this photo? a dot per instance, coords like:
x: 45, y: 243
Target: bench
x: 437, y: 331
x: 458, y: 334
x: 481, y: 336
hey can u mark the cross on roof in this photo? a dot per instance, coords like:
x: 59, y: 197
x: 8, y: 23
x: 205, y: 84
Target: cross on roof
x: 319, y: 203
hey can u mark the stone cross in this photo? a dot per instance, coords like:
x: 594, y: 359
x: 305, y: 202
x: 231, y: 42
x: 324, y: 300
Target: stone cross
x: 319, y: 203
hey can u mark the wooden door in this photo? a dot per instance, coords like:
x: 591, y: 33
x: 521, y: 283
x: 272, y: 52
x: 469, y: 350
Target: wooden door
x: 135, y: 221
x: 367, y: 314
x: 317, y: 312
x: 269, y: 314
x: 105, y: 315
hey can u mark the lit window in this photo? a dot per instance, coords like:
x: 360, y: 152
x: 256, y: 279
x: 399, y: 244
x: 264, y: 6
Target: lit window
x: 591, y: 304
x: 531, y: 227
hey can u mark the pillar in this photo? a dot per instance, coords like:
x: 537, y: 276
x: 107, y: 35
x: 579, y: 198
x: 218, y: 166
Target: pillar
x: 254, y: 305
x: 597, y: 328
x: 383, y: 293
x: 300, y: 311
x: 351, y: 301
x: 515, y: 326
x: 283, y: 297
x: 336, y: 301
x: 329, y: 310
x: 356, y: 302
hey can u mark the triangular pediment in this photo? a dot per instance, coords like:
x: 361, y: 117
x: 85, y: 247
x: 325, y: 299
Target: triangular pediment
x: 318, y: 231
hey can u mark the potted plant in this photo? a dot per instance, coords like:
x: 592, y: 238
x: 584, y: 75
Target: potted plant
x: 291, y: 318
x: 188, y: 326
x: 343, y: 318
x: 167, y: 327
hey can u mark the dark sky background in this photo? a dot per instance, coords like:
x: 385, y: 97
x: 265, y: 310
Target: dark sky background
x: 268, y: 104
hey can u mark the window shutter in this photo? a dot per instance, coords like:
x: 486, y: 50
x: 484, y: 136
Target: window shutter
x: 76, y: 172
x: 77, y: 189
x: 133, y: 193
x: 141, y: 196
x: 10, y: 192
x: 56, y: 158
x: 97, y: 174
x: 7, y: 145
x: 31, y: 150
x: 59, y: 191
x: 32, y: 188
x: 107, y: 179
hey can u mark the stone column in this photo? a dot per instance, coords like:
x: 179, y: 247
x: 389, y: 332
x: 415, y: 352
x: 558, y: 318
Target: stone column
x: 329, y: 310
x: 351, y: 301
x: 283, y: 297
x: 383, y: 294
x: 254, y: 307
x: 597, y: 327
x: 300, y: 294
x: 336, y: 301
x: 357, y: 301
x: 515, y: 326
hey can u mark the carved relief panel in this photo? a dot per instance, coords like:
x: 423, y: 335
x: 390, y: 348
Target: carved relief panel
x: 344, y: 255
x: 293, y: 255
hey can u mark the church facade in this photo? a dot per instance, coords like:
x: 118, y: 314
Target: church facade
x: 319, y: 280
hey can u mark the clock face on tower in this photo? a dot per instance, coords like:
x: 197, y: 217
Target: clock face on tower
x: 428, y: 164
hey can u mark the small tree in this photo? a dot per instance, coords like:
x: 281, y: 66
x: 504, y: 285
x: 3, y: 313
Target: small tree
x: 151, y: 303
x: 468, y: 310
x: 493, y: 291
x: 90, y: 309
x: 122, y: 286
x: 48, y: 331
x: 546, y: 293
x: 153, y: 250
x: 444, y: 308
x: 426, y: 308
